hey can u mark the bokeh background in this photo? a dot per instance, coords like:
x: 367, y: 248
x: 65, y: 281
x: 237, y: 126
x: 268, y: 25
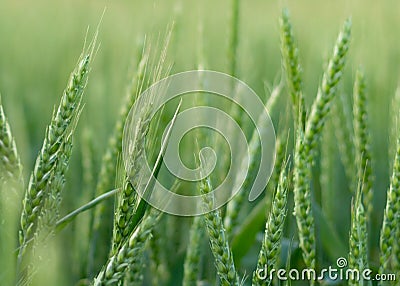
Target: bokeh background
x: 41, y: 40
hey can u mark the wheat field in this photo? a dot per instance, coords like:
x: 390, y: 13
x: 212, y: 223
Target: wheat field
x: 75, y: 131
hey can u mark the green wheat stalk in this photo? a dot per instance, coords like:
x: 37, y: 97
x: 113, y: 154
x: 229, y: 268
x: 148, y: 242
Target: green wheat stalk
x: 11, y: 180
x: 158, y: 261
x: 290, y: 57
x: 108, y: 171
x: 396, y: 256
x: 281, y: 151
x: 126, y: 210
x: 129, y: 256
x: 193, y: 253
x: 393, y: 152
x: 50, y: 213
x: 128, y: 198
x: 358, y: 255
x: 45, y: 166
x: 394, y: 124
x: 134, y: 275
x: 327, y: 91
x: 302, y: 199
x: 11, y: 187
x: 193, y: 250
x: 220, y: 248
x: 273, y: 231
x: 362, y: 140
x: 390, y: 227
x: 306, y: 145
x: 280, y: 155
x: 10, y: 163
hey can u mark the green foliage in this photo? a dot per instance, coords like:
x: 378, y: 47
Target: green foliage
x: 114, y: 237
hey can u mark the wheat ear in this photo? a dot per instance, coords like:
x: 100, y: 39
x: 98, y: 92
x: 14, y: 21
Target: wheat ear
x: 11, y: 187
x: 328, y: 89
x: 129, y: 255
x: 100, y: 233
x: 358, y: 255
x: 390, y: 227
x: 220, y: 248
x: 302, y: 198
x: 306, y: 145
x: 362, y: 140
x: 46, y: 161
x: 10, y: 164
x: 290, y: 56
x: 273, y: 231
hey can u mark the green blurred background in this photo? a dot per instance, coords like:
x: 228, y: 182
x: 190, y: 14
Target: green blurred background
x: 40, y: 43
x: 41, y: 40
